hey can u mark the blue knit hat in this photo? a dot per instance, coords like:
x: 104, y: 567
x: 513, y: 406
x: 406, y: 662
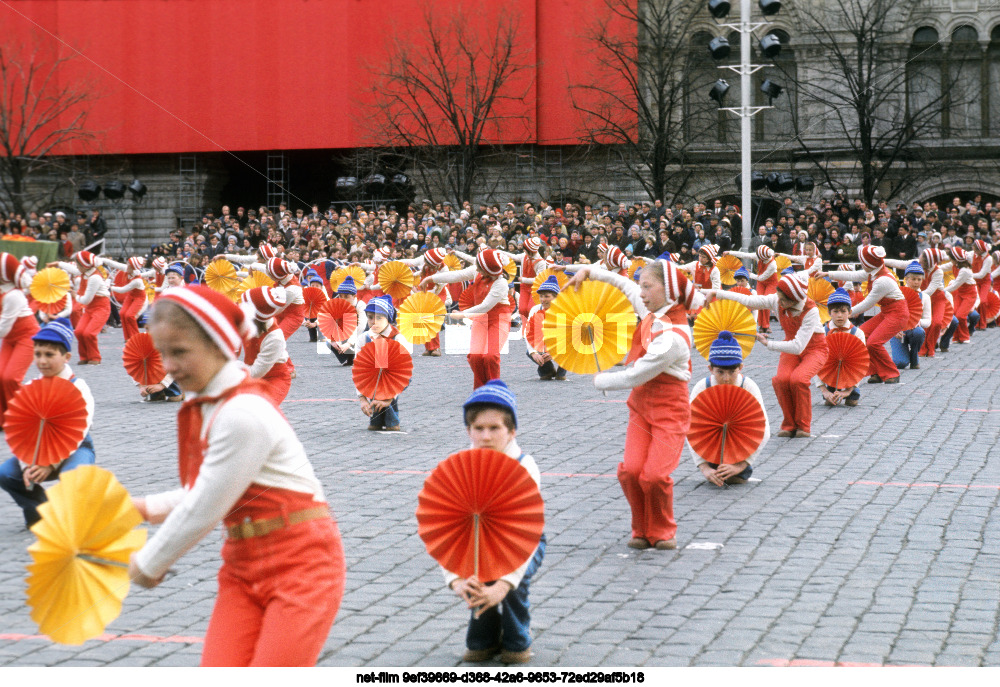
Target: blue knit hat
x: 725, y: 351
x: 58, y: 331
x: 787, y: 270
x: 551, y: 285
x: 347, y: 286
x: 839, y: 297
x: 914, y: 268
x: 494, y: 393
x: 742, y: 273
x: 175, y: 268
x: 382, y: 305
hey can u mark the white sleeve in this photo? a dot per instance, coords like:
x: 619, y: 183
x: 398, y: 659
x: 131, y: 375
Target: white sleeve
x: 465, y: 257
x: 927, y: 314
x: 516, y: 257
x: 468, y: 274
x: 108, y: 262
x: 663, y: 352
x: 769, y: 271
x: 240, y: 259
x: 14, y: 302
x: 625, y: 285
x: 741, y: 255
x: 854, y: 275
x: 497, y: 295
x: 716, y: 278
x: 881, y: 288
x: 272, y: 350
x: 69, y: 267
x: 810, y: 323
x: 963, y: 277
x: 798, y: 259
x: 769, y: 302
x: 133, y: 285
x: 986, y: 269
x: 896, y: 264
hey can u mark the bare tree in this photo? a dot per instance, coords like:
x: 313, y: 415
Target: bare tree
x: 449, y: 90
x: 853, y: 101
x: 42, y: 109
x: 637, y: 99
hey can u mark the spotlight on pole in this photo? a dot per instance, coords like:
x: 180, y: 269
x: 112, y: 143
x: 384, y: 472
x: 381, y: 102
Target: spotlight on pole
x: 137, y: 189
x: 804, y: 183
x: 88, y: 191
x: 719, y: 47
x: 780, y: 182
x: 771, y: 89
x: 719, y: 8
x: 770, y: 46
x: 757, y: 181
x: 114, y: 190
x: 769, y: 7
x: 718, y: 91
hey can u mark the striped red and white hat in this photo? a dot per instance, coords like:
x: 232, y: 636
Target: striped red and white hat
x: 267, y: 251
x: 532, y: 244
x: 764, y: 253
x: 224, y: 322
x: 792, y: 287
x: 29, y: 262
x: 383, y: 254
x: 872, y: 257
x: 136, y: 263
x: 708, y: 250
x: 435, y: 256
x: 616, y: 258
x: 9, y: 266
x: 86, y: 259
x: 996, y: 258
x: 602, y: 248
x: 981, y: 247
x: 266, y: 301
x: 958, y: 254
x: 676, y: 285
x: 491, y: 262
x: 159, y: 263
x: 279, y: 270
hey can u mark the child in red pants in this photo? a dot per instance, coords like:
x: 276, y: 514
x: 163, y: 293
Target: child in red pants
x: 294, y: 313
x: 963, y: 289
x: 803, y: 351
x: 659, y: 367
x: 982, y: 267
x: 93, y: 294
x: 432, y: 262
x: 766, y: 278
x: 933, y: 287
x: 265, y: 350
x: 282, y: 576
x: 132, y: 296
x: 17, y: 326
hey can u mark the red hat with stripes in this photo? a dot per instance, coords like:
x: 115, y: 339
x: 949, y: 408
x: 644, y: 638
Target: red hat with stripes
x: 616, y: 258
x: 278, y: 269
x: 764, y: 253
x: 159, y: 263
x: 981, y: 246
x: 872, y: 257
x: 136, y: 263
x: 490, y: 262
x: 532, y: 244
x: 267, y: 251
x: 708, y: 250
x: 676, y: 285
x: 435, y: 256
x: 792, y: 287
x: 267, y: 301
x: 86, y: 259
x: 958, y: 254
x: 225, y: 322
x: 9, y: 265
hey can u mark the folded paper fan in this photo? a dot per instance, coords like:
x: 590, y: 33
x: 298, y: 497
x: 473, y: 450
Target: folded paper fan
x: 50, y: 285
x: 741, y: 289
x: 727, y: 424
x: 949, y: 312
x: 992, y: 307
x: 480, y: 514
x: 53, y: 308
x: 337, y: 319
x: 395, y: 279
x: 819, y: 291
x: 560, y: 276
x: 846, y: 361
x: 727, y: 265
x: 314, y: 297
x: 352, y: 271
x: 467, y: 298
x: 915, y: 304
x: 534, y: 330
x: 420, y: 317
x: 589, y: 329
x: 382, y: 369
x: 150, y: 292
x: 510, y: 270
x: 782, y: 263
x: 252, y: 281
x: 79, y: 577
x: 637, y: 264
x: 220, y: 275
x: 723, y: 315
x: 45, y: 421
x: 453, y: 262
x: 949, y: 276
x: 142, y: 361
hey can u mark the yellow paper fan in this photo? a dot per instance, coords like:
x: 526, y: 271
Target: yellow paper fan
x: 589, y: 329
x: 340, y: 274
x: 819, y: 291
x: 150, y: 291
x: 79, y: 571
x: 949, y: 277
x: 782, y: 262
x: 728, y: 264
x: 395, y: 279
x: 220, y: 276
x: 420, y: 317
x: 510, y: 270
x: 453, y: 262
x: 725, y: 315
x: 50, y: 285
x: 560, y: 276
x: 256, y: 278
x: 637, y: 264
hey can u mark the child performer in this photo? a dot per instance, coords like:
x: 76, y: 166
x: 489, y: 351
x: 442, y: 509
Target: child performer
x: 839, y: 306
x: 659, y: 412
x: 17, y: 326
x: 133, y: 296
x: 158, y: 275
x: 93, y: 295
x: 809, y: 259
x: 532, y: 264
x: 883, y: 290
x: 982, y: 267
x: 963, y: 290
x: 265, y: 350
x: 490, y: 315
x: 905, y: 346
x: 803, y: 351
x: 547, y: 368
x: 282, y: 575
x: 381, y: 315
x: 500, y: 622
x: 933, y: 286
x: 315, y: 281
x: 283, y: 274
x: 725, y: 364
x: 345, y: 350
x: 703, y: 272
x: 766, y: 278
x: 265, y: 252
x: 20, y: 479
x: 432, y: 262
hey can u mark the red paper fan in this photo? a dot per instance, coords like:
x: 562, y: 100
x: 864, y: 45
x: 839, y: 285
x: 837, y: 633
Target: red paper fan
x: 856, y: 297
x: 480, y: 514
x: 949, y: 312
x: 337, y: 319
x: 740, y: 289
x: 467, y: 299
x: 121, y: 279
x: 727, y: 422
x: 52, y: 308
x: 382, y: 369
x: 915, y: 305
x: 45, y: 421
x: 314, y: 298
x: 846, y: 362
x: 142, y: 361
x: 992, y: 306
x: 533, y: 331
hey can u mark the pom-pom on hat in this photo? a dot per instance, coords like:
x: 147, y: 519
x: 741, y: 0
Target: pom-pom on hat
x: 532, y: 244
x: 348, y: 286
x: 914, y: 268
x: 159, y: 263
x: 29, y: 262
x: 551, y: 285
x: 265, y: 301
x: 490, y: 261
x: 741, y: 273
x: 616, y: 258
x: 435, y: 256
x: 58, y: 331
x: 87, y: 260
x: 792, y: 287
x: 382, y: 305
x: 9, y: 265
x: 764, y: 253
x: 494, y: 393
x: 872, y: 257
x: 839, y: 297
x: 225, y: 322
x: 725, y: 351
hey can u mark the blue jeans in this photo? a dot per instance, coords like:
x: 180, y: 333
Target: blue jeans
x: 905, y: 352
x: 386, y: 418
x: 29, y: 500
x: 945, y: 340
x: 508, y: 624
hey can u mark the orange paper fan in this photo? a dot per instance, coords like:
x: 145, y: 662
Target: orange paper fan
x: 421, y: 316
x: 353, y: 271
x: 142, y: 361
x: 337, y: 319
x: 727, y: 424
x: 395, y: 279
x: 915, y: 304
x: 480, y: 514
x: 453, y: 262
x: 992, y: 307
x: 741, y: 289
x: 314, y: 297
x: 819, y: 291
x: 560, y: 276
x: 637, y: 264
x: 727, y: 266
x: 846, y: 361
x: 52, y: 308
x: 45, y: 421
x: 382, y: 369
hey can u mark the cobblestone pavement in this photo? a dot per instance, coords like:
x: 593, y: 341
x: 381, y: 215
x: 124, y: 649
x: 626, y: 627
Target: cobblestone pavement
x: 875, y: 542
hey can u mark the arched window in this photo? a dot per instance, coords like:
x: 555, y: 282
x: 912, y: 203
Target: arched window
x: 923, y: 80
x: 777, y: 123
x: 965, y: 87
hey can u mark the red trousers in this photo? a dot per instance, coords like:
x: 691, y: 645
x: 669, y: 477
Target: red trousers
x: 291, y: 319
x: 658, y: 422
x: 489, y: 334
x: 793, y: 383
x: 94, y: 317
x: 434, y: 344
x: 878, y: 330
x: 938, y: 303
x: 278, y: 596
x: 764, y: 316
x: 984, y: 293
x: 129, y: 313
x: 965, y: 298
x: 279, y: 381
x: 17, y: 351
